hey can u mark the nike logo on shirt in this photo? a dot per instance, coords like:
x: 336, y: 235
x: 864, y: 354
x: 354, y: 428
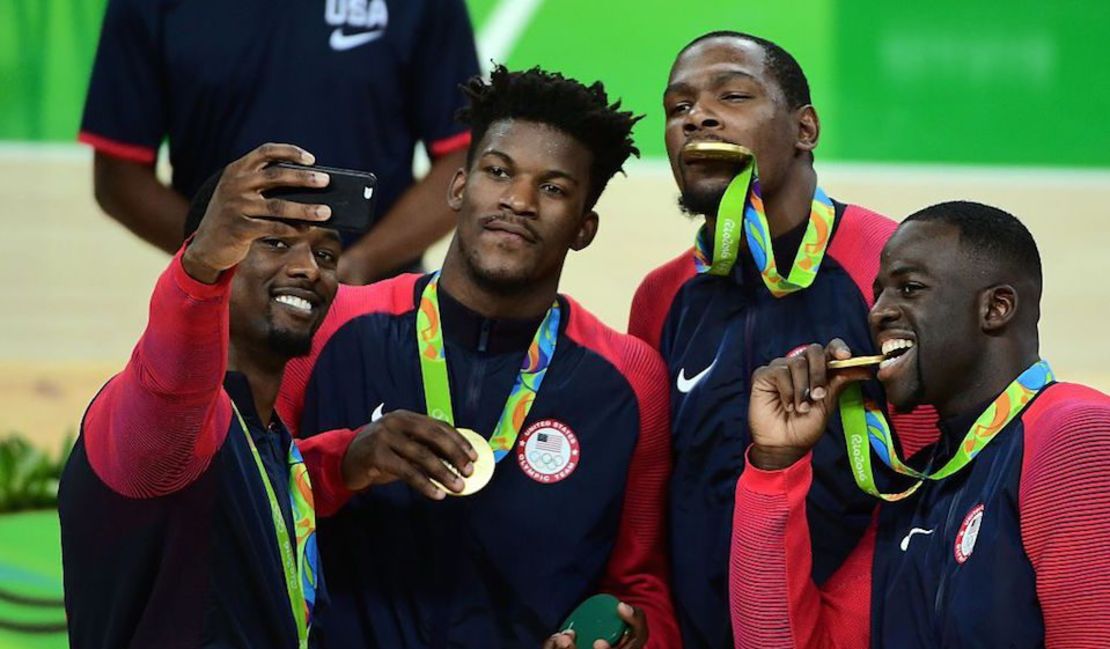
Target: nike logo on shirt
x: 377, y: 414
x: 905, y: 545
x: 686, y: 384
x: 340, y: 41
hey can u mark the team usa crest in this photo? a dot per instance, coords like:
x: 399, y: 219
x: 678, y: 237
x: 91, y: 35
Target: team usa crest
x: 548, y: 451
x: 968, y: 534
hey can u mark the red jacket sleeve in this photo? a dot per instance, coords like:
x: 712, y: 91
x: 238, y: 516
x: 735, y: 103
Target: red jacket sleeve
x: 773, y: 600
x: 654, y: 297
x: 154, y: 427
x: 637, y: 569
x: 323, y: 453
x: 323, y: 457
x: 1064, y: 502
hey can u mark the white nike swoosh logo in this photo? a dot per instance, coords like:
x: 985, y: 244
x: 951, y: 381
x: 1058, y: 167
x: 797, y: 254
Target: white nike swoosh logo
x: 340, y: 41
x: 917, y: 530
x: 377, y: 414
x: 687, y: 384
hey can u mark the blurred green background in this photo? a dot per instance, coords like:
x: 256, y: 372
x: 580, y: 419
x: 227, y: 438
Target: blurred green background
x: 949, y: 81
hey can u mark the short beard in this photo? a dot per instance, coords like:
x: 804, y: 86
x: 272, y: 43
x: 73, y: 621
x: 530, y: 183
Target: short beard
x: 701, y: 203
x: 496, y: 281
x: 918, y: 395
x: 288, y: 344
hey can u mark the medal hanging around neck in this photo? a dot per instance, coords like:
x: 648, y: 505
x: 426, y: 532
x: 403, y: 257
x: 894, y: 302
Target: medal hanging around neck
x: 300, y: 560
x: 742, y: 208
x: 865, y: 428
x: 437, y: 389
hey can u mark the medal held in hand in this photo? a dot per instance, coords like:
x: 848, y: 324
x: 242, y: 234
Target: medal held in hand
x: 437, y: 389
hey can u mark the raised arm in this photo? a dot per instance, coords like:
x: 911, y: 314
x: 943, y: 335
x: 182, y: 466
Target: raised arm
x: 155, y: 427
x: 774, y: 602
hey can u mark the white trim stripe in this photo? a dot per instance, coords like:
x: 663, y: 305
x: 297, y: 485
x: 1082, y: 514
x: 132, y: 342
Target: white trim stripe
x: 504, y: 27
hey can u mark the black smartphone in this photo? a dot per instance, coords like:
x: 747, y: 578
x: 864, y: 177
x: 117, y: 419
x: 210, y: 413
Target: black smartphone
x: 349, y: 194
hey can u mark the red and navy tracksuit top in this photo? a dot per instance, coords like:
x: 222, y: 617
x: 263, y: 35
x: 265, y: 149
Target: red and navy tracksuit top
x: 167, y: 535
x: 503, y: 567
x: 1009, y: 552
x: 713, y: 332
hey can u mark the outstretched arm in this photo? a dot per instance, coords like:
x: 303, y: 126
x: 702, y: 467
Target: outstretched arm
x: 155, y: 427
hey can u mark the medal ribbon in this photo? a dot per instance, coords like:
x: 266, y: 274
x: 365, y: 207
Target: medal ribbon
x: 300, y: 562
x: 865, y: 427
x: 433, y: 370
x: 742, y: 204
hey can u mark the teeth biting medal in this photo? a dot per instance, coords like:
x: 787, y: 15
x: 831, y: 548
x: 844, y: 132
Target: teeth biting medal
x: 741, y: 214
x: 858, y: 361
x: 717, y: 151
x: 890, y: 348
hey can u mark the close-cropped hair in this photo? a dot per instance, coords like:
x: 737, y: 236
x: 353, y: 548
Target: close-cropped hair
x: 549, y: 98
x: 782, y: 65
x: 994, y: 235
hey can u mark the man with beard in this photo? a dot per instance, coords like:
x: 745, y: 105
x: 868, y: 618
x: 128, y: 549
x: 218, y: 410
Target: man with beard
x: 187, y: 513
x: 994, y: 536
x: 575, y: 414
x: 716, y: 313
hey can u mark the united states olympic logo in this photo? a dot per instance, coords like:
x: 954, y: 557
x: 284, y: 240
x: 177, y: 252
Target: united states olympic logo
x: 548, y: 451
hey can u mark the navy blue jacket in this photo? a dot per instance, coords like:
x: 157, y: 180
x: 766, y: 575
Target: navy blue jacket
x: 167, y: 534
x: 1008, y: 552
x: 713, y: 332
x: 501, y: 568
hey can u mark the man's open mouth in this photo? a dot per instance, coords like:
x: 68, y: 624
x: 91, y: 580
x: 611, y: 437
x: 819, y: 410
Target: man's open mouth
x: 295, y: 303
x: 896, y: 353
x: 300, y: 301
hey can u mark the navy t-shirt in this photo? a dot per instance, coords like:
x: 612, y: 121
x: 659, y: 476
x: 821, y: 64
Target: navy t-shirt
x: 356, y: 82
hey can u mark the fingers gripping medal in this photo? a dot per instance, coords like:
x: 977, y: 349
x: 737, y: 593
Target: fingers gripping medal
x: 483, y: 466
x: 437, y: 388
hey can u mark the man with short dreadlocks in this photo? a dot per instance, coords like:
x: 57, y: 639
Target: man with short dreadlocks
x: 575, y: 413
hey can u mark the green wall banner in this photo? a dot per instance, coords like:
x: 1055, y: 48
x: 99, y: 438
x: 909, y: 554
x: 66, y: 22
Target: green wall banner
x: 988, y: 82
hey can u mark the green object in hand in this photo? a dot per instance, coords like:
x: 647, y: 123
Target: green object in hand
x: 596, y: 619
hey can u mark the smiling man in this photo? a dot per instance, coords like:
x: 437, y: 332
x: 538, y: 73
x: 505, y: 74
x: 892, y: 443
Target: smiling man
x: 575, y: 413
x: 995, y: 536
x: 715, y: 314
x: 187, y: 513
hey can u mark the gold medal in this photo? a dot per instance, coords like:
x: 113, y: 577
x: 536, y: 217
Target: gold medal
x: 858, y: 361
x: 483, y: 466
x: 710, y: 150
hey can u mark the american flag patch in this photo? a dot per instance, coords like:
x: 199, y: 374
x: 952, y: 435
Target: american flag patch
x: 550, y: 443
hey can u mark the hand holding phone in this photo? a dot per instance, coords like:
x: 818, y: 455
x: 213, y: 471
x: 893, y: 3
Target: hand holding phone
x: 349, y: 194
x: 236, y: 213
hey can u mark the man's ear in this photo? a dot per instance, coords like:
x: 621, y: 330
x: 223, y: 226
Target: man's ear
x: 998, y: 305
x: 809, y: 128
x: 456, y: 189
x: 586, y: 232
